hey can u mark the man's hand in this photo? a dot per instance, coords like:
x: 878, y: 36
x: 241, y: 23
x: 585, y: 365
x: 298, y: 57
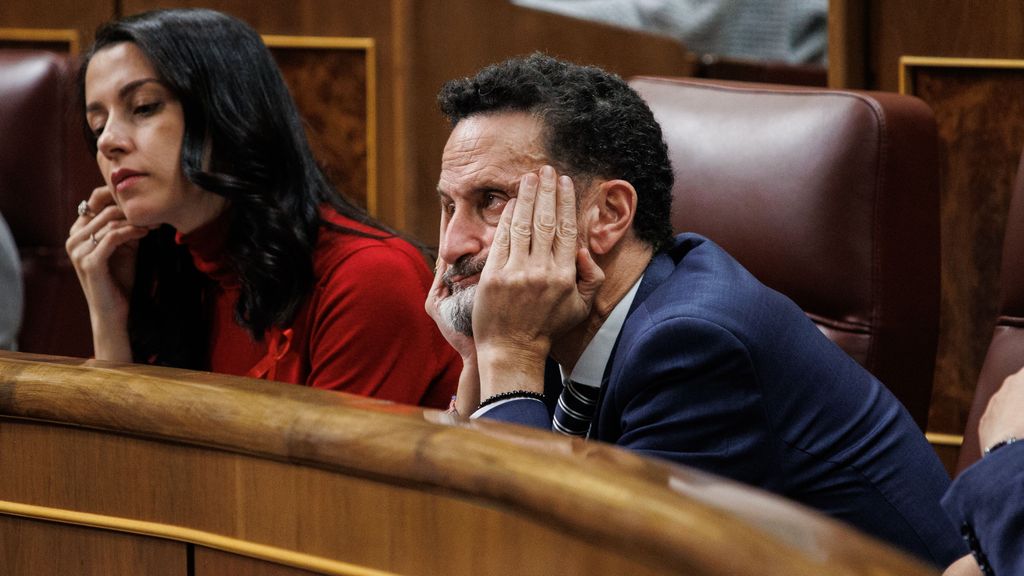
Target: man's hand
x: 1002, y: 418
x: 537, y: 283
x: 468, y: 394
x: 439, y: 291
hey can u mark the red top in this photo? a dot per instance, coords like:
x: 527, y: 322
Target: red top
x: 362, y: 330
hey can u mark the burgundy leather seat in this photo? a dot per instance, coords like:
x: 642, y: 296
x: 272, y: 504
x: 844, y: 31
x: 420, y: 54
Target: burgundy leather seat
x: 830, y: 197
x: 46, y: 169
x: 1006, y: 350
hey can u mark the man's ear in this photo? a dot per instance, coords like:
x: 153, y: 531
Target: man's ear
x: 611, y: 215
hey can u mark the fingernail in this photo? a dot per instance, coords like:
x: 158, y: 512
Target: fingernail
x: 547, y: 172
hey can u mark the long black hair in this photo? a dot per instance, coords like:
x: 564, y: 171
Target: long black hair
x: 244, y: 140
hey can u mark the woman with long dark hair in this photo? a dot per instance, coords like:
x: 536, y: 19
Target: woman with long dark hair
x: 217, y: 242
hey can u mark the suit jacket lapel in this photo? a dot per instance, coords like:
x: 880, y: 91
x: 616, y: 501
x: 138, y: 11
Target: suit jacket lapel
x: 660, y: 268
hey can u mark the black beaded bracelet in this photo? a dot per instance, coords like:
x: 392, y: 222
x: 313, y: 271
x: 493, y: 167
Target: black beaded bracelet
x: 999, y: 445
x: 509, y: 395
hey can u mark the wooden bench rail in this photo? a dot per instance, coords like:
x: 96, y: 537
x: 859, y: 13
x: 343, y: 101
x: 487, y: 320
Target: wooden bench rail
x: 665, y: 518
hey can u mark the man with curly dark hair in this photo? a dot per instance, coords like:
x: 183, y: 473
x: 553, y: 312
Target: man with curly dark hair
x: 556, y: 243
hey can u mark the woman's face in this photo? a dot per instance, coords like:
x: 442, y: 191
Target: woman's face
x: 139, y: 126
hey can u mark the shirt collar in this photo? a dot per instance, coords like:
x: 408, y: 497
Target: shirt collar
x: 589, y: 370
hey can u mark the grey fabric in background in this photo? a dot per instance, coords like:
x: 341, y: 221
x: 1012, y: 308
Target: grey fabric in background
x: 11, y: 290
x: 793, y: 31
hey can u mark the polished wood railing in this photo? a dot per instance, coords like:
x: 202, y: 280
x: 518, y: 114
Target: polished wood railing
x: 126, y: 469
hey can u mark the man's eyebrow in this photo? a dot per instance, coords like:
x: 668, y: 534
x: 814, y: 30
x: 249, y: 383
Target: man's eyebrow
x: 442, y: 195
x: 123, y: 93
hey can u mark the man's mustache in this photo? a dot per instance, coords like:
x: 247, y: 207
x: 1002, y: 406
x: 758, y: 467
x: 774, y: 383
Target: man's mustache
x: 464, y: 267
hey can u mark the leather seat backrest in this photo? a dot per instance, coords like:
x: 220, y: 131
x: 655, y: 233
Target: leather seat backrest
x: 830, y: 197
x: 46, y: 169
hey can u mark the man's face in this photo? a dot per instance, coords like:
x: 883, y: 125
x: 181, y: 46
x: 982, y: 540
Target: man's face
x: 484, y: 159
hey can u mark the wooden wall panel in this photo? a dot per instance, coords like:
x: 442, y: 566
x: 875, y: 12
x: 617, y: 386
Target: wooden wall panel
x: 948, y: 451
x: 847, y: 35
x: 36, y: 548
x: 329, y: 80
x: 868, y: 37
x: 371, y: 524
x: 83, y: 16
x: 60, y: 40
x: 953, y: 28
x: 980, y: 117
x: 216, y: 563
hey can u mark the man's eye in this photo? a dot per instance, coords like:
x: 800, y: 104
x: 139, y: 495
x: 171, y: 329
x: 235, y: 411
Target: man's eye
x: 448, y: 209
x: 494, y: 200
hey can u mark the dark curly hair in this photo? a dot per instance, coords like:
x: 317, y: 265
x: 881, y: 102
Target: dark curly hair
x: 244, y: 140
x: 595, y: 125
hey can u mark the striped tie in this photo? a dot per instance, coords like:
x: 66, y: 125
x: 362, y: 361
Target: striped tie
x: 575, y: 409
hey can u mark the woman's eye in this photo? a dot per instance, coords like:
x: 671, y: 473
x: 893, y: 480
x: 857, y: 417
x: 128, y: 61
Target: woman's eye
x: 147, y: 109
x: 96, y: 130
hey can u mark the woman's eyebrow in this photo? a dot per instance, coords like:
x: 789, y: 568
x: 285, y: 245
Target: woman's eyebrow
x: 123, y: 92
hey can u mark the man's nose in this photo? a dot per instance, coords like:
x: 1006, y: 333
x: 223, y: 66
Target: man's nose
x: 462, y: 236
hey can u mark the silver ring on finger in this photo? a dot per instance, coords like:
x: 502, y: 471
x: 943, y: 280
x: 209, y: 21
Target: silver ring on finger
x: 94, y: 240
x: 83, y: 209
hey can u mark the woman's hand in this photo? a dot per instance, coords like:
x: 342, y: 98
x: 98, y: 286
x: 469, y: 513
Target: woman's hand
x: 103, y: 246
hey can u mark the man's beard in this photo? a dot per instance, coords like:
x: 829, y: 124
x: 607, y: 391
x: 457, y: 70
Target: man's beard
x: 457, y: 308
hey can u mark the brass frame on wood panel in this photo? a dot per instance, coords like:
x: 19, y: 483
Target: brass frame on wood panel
x: 942, y: 439
x: 907, y: 64
x: 189, y: 535
x: 55, y: 35
x: 348, y: 43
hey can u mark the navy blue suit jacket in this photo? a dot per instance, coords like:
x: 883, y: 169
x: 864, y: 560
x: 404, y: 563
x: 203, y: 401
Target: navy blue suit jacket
x: 987, y: 501
x: 714, y: 370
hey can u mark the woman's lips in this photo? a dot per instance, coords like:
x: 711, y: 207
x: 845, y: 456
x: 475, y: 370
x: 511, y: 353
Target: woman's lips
x: 124, y: 178
x: 127, y: 182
